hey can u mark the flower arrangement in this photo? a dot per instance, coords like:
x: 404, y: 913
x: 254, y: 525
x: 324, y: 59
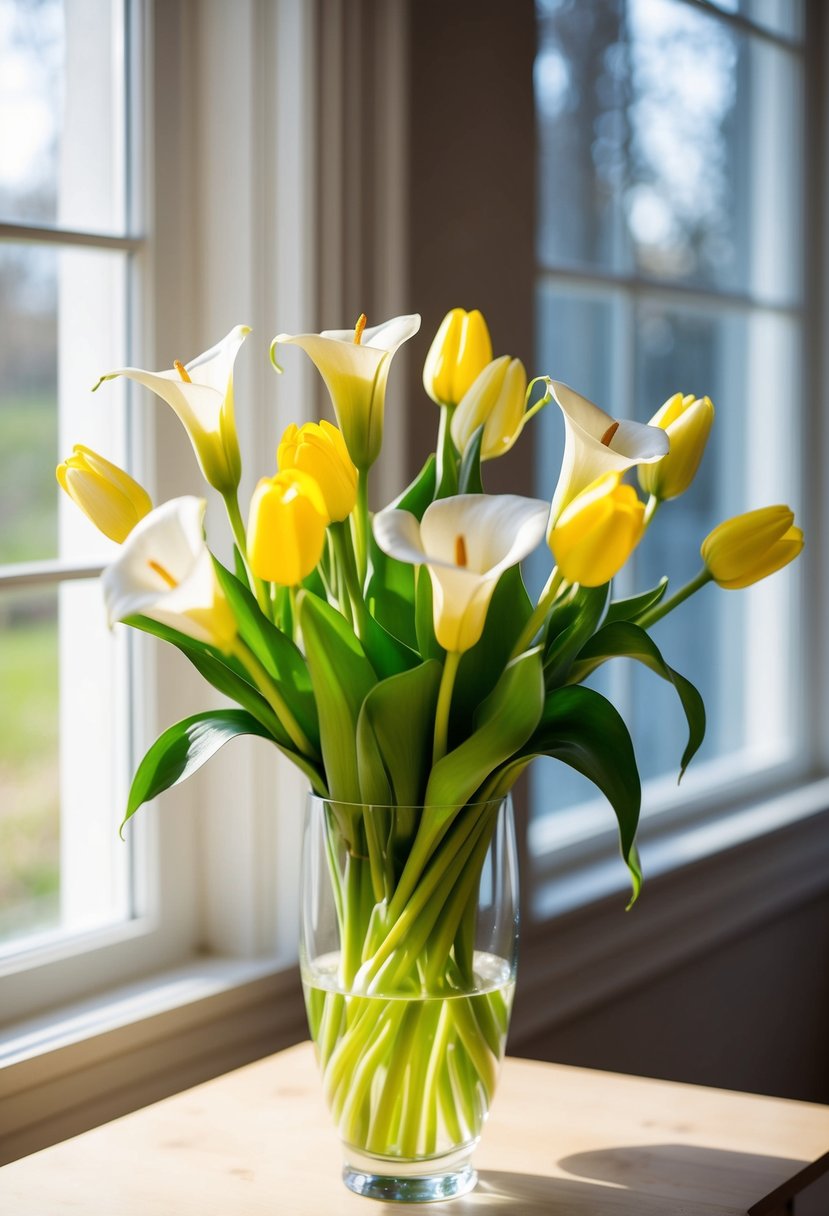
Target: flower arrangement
x: 400, y: 662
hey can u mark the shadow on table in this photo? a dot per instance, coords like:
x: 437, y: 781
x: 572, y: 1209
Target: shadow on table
x: 645, y: 1180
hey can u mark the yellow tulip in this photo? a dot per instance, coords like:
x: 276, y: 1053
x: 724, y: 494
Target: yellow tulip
x: 748, y: 547
x: 106, y: 494
x: 597, y: 531
x: 319, y: 450
x: 286, y: 530
x: 687, y: 422
x: 460, y: 351
x: 496, y: 400
x: 201, y: 393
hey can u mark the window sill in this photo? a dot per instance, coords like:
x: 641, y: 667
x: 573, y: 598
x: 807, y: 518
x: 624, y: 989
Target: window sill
x: 79, y: 1066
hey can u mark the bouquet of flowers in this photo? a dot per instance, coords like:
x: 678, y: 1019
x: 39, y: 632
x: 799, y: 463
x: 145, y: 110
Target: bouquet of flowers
x: 400, y: 663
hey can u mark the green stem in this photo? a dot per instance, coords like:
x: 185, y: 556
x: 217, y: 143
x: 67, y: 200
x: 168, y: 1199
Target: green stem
x: 646, y: 619
x: 361, y: 526
x: 447, y: 684
x: 446, y: 476
x: 539, y: 613
x: 652, y: 507
x: 238, y: 528
x: 352, y: 602
x: 272, y: 694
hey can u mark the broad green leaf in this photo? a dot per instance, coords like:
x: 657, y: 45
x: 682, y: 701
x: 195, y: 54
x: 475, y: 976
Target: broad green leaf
x: 341, y: 676
x: 386, y: 653
x: 229, y: 678
x: 469, y: 474
x: 573, y: 620
x: 503, y: 724
x: 508, y: 613
x: 184, y: 748
x: 279, y: 656
x: 622, y: 639
x: 581, y: 728
x: 395, y: 734
x: 390, y: 591
x: 629, y: 609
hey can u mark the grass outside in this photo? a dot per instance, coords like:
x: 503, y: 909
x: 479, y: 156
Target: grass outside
x: 29, y: 788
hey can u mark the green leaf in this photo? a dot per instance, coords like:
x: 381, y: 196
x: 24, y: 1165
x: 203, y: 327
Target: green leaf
x: 508, y: 613
x: 386, y: 653
x: 282, y: 660
x: 581, y: 728
x: 229, y: 678
x: 572, y: 621
x: 390, y: 591
x: 341, y: 676
x: 184, y: 748
x: 469, y: 474
x: 627, y: 610
x: 622, y: 639
x: 503, y: 724
x: 395, y: 733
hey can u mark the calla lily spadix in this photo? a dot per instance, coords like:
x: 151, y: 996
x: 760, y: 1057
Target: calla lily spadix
x: 354, y: 363
x: 596, y: 444
x: 466, y: 542
x: 164, y: 571
x: 201, y: 393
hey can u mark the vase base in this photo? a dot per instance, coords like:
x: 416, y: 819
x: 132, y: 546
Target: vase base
x: 426, y: 1188
x: 410, y: 1181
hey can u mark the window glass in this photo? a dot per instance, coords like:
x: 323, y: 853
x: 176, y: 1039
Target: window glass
x: 669, y: 254
x: 662, y: 131
x: 62, y: 114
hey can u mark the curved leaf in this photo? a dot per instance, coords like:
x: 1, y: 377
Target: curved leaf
x: 341, y: 676
x: 184, y: 748
x: 276, y: 652
x: 581, y: 728
x: 623, y: 639
x: 395, y: 733
x: 629, y: 609
x: 572, y: 621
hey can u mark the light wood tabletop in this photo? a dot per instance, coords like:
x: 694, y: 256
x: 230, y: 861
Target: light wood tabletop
x: 258, y: 1142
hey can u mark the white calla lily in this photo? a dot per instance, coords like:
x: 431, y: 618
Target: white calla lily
x: 164, y: 571
x: 466, y: 542
x: 201, y: 393
x: 596, y: 444
x: 354, y: 363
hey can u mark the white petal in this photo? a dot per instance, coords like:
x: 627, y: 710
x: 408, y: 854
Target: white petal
x: 387, y: 336
x: 198, y: 406
x: 170, y: 537
x: 398, y: 534
x: 215, y: 367
x: 499, y: 530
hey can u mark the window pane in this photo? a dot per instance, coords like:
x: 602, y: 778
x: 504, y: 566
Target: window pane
x: 63, y: 741
x: 62, y: 323
x: 62, y: 113
x: 29, y: 779
x: 669, y: 146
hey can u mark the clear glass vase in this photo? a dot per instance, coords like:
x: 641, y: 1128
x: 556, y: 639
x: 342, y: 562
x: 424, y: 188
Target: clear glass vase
x: 408, y: 944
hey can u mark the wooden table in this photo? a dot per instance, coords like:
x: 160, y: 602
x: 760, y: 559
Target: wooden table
x: 258, y: 1142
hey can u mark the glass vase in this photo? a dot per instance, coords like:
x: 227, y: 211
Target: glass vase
x: 408, y: 943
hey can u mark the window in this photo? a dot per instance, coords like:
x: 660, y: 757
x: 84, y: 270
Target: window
x: 67, y: 213
x: 670, y: 257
